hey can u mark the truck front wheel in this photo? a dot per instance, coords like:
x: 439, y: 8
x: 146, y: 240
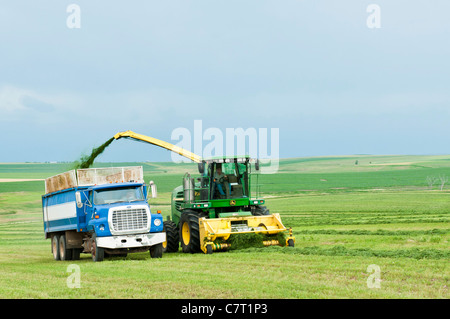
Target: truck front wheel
x: 98, y: 253
x: 156, y: 251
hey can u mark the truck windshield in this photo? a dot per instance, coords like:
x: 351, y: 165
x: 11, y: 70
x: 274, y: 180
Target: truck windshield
x: 116, y: 195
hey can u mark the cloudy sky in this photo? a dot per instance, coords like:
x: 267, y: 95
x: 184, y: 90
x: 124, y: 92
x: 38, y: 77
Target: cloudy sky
x: 313, y: 69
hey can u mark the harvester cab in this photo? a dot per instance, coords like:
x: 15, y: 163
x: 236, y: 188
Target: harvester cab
x: 224, y: 183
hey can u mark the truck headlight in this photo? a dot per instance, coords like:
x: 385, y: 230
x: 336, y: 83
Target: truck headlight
x: 157, y: 222
x: 102, y: 227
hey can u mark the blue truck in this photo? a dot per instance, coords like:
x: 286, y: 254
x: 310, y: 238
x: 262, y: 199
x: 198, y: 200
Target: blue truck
x: 102, y: 212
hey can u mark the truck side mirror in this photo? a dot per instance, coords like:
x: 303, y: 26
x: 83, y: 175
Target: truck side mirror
x: 257, y: 165
x: 201, y: 167
x: 78, y: 199
x: 153, y: 189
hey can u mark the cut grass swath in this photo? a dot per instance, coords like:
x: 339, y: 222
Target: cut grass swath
x: 244, y: 241
x: 414, y: 253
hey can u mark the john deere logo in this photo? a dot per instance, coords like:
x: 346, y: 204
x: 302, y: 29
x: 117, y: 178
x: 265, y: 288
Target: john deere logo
x: 232, y: 202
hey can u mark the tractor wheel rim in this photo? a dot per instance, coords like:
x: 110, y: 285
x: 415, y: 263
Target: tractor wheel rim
x: 186, y: 233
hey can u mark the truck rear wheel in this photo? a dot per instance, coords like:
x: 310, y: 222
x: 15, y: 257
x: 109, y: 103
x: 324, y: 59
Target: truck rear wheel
x: 189, y: 233
x: 64, y: 253
x: 55, y: 247
x: 172, y: 243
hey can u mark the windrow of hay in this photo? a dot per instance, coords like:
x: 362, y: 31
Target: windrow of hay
x: 253, y: 240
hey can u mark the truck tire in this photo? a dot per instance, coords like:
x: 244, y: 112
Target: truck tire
x: 172, y: 243
x: 55, y: 247
x: 156, y: 251
x: 260, y: 211
x: 189, y: 232
x: 98, y: 253
x: 64, y: 253
x: 76, y: 253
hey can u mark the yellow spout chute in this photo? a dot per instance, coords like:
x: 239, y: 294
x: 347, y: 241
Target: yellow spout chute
x: 151, y: 140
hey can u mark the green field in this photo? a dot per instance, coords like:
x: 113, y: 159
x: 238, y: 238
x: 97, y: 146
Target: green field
x: 347, y: 213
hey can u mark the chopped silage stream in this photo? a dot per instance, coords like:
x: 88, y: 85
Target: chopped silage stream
x: 87, y: 161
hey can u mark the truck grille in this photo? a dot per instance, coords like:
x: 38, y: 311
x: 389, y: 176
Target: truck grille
x: 130, y: 220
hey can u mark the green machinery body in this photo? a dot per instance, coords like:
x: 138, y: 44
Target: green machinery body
x: 236, y: 210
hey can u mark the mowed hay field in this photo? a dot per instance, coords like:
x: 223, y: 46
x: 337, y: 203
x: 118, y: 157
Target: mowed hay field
x: 349, y: 214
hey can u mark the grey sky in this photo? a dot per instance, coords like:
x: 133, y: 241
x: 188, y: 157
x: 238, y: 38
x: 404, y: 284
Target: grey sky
x: 313, y: 69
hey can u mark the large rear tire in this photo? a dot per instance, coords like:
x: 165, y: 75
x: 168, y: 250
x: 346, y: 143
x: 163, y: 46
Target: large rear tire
x: 172, y: 243
x: 189, y: 232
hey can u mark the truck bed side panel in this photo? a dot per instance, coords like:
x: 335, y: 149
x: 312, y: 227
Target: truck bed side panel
x: 60, y: 211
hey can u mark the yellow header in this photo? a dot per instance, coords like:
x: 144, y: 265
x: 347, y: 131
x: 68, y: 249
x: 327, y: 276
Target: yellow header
x: 155, y: 141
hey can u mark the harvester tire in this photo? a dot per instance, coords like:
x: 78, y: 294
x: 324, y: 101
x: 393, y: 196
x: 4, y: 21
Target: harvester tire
x: 172, y: 243
x: 261, y: 211
x: 156, y: 251
x: 189, y: 232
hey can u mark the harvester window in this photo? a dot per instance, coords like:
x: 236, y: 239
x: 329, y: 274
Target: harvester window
x: 228, y: 168
x: 228, y: 180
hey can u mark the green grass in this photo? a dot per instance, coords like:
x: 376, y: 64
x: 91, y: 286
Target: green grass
x: 345, y: 217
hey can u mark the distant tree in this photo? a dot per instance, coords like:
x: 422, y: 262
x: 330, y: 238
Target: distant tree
x: 431, y: 180
x: 444, y: 179
x: 356, y: 162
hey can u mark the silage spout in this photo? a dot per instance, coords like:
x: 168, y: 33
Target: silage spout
x: 87, y: 161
